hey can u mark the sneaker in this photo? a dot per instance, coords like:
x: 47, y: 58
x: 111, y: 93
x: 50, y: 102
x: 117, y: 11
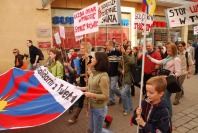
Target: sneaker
x: 108, y: 122
x: 110, y: 103
x: 125, y: 113
x: 120, y: 100
x: 176, y: 103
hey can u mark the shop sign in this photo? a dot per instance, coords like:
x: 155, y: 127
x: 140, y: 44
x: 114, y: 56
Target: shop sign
x: 70, y: 20
x: 182, y: 15
x: 43, y: 32
x: 196, y: 30
x: 44, y: 44
x: 62, y: 20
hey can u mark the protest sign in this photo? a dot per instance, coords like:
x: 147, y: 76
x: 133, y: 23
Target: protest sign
x: 182, y: 15
x: 32, y: 98
x: 109, y: 12
x: 62, y: 31
x: 86, y: 20
x: 57, y: 38
x: 196, y: 30
x: 139, y: 21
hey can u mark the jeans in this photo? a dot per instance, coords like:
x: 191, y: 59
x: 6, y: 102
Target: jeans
x: 126, y: 98
x: 167, y: 97
x: 113, y: 89
x: 30, y: 67
x: 96, y: 119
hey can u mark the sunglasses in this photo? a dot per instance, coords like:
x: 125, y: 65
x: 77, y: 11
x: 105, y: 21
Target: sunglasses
x: 14, y: 52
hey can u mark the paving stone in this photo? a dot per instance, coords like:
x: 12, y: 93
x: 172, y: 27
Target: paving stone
x: 178, y: 123
x: 188, y: 111
x: 190, y: 125
x: 195, y: 112
x: 196, y: 129
x: 195, y: 120
x: 192, y: 131
x: 192, y: 115
x: 182, y: 129
x: 180, y: 114
x: 175, y: 117
x: 175, y: 131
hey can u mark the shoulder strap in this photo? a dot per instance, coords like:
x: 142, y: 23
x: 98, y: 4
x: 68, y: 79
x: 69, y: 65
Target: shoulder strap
x: 186, y: 55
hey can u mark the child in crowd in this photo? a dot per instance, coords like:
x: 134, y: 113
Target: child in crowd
x: 153, y: 115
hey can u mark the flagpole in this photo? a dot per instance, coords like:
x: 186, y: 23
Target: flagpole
x: 143, y: 60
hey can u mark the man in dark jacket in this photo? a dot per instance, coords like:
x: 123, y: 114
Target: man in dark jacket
x: 34, y: 56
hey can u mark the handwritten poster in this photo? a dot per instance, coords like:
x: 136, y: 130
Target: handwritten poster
x: 86, y: 20
x: 109, y: 12
x: 139, y: 21
x: 182, y: 15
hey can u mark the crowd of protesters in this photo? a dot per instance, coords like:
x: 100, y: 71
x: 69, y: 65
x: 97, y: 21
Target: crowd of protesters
x: 108, y: 73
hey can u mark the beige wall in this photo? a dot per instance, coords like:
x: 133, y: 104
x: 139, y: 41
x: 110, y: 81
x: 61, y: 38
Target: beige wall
x: 19, y: 21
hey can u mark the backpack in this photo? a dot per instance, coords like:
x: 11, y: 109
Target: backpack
x: 41, y: 56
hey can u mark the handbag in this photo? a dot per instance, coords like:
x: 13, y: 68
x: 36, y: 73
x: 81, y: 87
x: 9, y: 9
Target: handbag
x: 135, y: 74
x: 161, y: 71
x: 173, y: 84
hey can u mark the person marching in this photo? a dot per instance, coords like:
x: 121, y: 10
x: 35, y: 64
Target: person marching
x: 124, y: 68
x: 85, y: 49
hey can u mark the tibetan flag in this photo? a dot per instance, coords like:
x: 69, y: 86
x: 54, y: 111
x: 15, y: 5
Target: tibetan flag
x: 32, y: 98
x: 149, y: 6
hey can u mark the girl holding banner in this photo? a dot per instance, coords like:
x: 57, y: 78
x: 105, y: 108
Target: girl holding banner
x: 56, y: 67
x: 98, y: 92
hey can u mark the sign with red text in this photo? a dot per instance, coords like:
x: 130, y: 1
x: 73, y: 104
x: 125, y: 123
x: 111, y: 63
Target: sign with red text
x: 62, y: 31
x: 44, y: 44
x: 109, y: 12
x: 196, y: 30
x: 86, y: 20
x: 139, y: 21
x: 182, y: 15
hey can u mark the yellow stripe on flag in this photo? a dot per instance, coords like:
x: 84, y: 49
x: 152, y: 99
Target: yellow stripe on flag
x: 151, y: 6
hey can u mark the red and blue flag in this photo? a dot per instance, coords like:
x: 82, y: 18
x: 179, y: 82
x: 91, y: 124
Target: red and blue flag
x: 26, y: 102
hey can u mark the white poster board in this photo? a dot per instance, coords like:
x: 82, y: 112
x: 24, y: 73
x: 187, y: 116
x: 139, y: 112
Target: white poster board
x: 57, y: 38
x: 139, y: 21
x: 62, y: 31
x: 196, y: 30
x: 182, y: 15
x: 109, y: 12
x: 86, y: 20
